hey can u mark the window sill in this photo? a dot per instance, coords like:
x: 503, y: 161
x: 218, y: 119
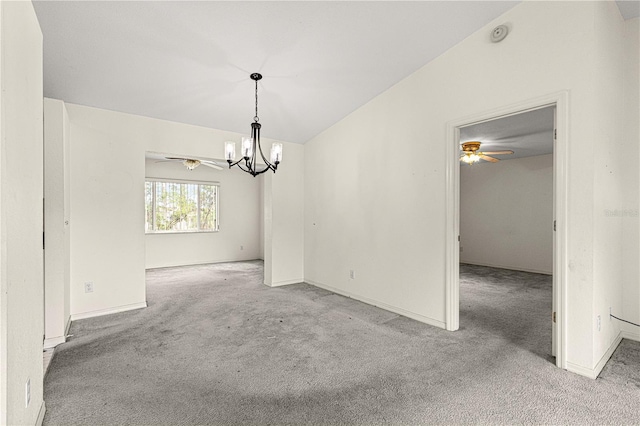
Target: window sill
x: 179, y: 232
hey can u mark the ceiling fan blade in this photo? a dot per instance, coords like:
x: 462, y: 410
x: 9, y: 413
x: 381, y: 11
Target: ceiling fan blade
x: 176, y: 158
x: 498, y: 152
x: 212, y: 165
x: 487, y: 158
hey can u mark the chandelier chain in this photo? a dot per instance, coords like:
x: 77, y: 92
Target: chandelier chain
x: 256, y: 119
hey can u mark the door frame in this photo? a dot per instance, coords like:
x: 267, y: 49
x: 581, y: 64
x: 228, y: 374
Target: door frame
x: 560, y: 194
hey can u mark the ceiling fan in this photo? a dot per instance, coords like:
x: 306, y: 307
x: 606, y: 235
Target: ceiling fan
x: 192, y: 163
x: 470, y: 153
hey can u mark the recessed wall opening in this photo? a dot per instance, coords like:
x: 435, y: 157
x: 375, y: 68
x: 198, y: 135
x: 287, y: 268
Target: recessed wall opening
x: 506, y: 230
x: 198, y: 211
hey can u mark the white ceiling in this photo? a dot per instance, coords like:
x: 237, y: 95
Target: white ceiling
x: 526, y: 134
x: 190, y: 61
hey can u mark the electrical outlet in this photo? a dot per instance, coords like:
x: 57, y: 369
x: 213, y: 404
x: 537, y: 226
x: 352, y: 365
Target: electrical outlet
x: 241, y: 247
x: 27, y: 393
x: 599, y: 323
x: 352, y: 274
x: 88, y: 287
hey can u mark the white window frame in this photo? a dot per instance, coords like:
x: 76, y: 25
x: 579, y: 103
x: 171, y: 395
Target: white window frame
x: 153, y: 180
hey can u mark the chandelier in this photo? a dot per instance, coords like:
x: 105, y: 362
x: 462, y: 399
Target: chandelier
x: 251, y: 147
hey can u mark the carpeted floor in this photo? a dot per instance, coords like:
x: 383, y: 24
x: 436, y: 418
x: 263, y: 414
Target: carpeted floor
x: 215, y: 346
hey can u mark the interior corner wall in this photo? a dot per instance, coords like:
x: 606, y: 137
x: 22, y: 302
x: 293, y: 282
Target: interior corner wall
x: 284, y: 220
x: 21, y: 182
x: 56, y: 221
x: 506, y: 214
x: 630, y: 309
x: 379, y: 207
x: 107, y: 192
x: 610, y: 177
x: 239, y: 216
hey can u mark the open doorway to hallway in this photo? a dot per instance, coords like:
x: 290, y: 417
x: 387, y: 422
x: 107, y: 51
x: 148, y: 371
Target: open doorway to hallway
x: 506, y: 216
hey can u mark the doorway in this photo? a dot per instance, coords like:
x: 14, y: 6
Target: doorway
x: 558, y: 104
x: 506, y: 232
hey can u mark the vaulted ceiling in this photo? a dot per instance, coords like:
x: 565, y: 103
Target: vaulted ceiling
x: 190, y: 61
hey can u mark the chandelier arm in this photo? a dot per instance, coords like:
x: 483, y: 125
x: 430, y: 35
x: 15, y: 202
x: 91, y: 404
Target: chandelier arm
x: 255, y: 136
x: 266, y: 169
x: 242, y: 168
x: 249, y: 165
x: 237, y: 163
x: 269, y: 165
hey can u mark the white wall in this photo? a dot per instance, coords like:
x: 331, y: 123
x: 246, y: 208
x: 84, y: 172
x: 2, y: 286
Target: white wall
x: 609, y: 179
x: 375, y: 181
x: 107, y: 192
x: 21, y: 182
x: 239, y: 216
x: 630, y: 309
x: 56, y: 222
x: 283, y: 205
x: 506, y: 214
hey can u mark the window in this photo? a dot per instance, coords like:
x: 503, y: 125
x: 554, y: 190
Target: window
x: 180, y: 206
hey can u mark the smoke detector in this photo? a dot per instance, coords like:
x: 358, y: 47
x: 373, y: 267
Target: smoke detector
x: 499, y: 33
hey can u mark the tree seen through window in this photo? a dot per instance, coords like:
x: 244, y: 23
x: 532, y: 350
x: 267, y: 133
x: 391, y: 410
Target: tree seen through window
x: 180, y: 207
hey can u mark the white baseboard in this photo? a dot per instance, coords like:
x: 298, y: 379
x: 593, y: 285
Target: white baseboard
x: 287, y: 282
x: 382, y: 305
x: 101, y: 312
x: 206, y: 262
x: 600, y: 365
x: 511, y: 268
x: 52, y: 342
x: 593, y: 373
x: 43, y: 409
x: 578, y: 369
x: 631, y: 336
x: 68, y: 326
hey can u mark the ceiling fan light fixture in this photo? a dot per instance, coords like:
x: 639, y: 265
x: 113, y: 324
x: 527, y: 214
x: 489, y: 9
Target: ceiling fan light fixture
x: 471, y: 158
x: 471, y: 153
x: 251, y: 146
x: 191, y: 164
